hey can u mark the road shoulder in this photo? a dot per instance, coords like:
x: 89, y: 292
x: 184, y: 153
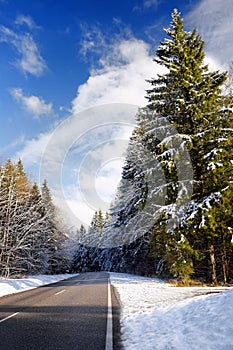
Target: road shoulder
x: 116, y: 312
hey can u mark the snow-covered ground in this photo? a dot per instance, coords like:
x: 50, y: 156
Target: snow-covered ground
x: 10, y: 286
x: 159, y: 316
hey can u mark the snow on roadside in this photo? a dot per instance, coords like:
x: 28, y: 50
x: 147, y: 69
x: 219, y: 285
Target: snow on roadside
x: 10, y: 286
x: 159, y: 316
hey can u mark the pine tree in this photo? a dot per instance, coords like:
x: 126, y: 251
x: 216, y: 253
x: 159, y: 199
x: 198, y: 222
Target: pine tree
x: 189, y: 97
x: 50, y: 209
x: 82, y: 232
x: 95, y: 229
x: 38, y: 254
x: 128, y: 215
x: 55, y: 238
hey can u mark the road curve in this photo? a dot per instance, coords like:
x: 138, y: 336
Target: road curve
x: 70, y: 314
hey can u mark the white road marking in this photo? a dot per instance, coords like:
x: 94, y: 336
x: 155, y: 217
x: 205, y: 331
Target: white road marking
x: 109, y: 340
x: 6, y: 318
x: 61, y: 291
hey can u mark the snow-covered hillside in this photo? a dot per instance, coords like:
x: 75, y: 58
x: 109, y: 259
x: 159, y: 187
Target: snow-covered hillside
x: 159, y: 316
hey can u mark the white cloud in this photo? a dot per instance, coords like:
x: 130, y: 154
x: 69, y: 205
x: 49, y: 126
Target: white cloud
x: 79, y: 209
x: 33, y: 150
x: 22, y: 19
x: 150, y: 3
x: 93, y: 40
x: 213, y: 19
x: 107, y: 178
x: 30, y: 60
x: 146, y: 5
x: 32, y: 104
x: 213, y: 63
x: 71, y: 162
x: 19, y: 141
x: 75, y: 207
x: 121, y: 78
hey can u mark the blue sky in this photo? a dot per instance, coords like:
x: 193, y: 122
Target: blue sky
x: 59, y: 58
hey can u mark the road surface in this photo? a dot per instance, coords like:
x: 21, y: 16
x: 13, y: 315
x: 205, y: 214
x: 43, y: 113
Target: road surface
x: 70, y: 314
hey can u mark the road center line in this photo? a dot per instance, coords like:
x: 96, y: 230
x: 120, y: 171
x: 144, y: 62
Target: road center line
x: 61, y: 291
x: 6, y: 318
x: 109, y: 340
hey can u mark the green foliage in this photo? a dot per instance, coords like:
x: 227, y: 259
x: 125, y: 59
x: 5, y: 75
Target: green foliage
x: 190, y: 97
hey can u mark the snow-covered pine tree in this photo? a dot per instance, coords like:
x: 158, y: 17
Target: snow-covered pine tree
x: 219, y: 217
x: 125, y: 236
x: 81, y: 234
x: 37, y: 254
x: 55, y: 238
x: 80, y: 261
x: 87, y: 257
x: 95, y: 230
x: 49, y: 207
x: 131, y: 192
x: 189, y: 97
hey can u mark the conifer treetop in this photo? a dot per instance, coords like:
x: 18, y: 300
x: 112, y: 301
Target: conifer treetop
x: 187, y: 89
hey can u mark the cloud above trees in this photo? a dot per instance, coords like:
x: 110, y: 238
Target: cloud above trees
x: 29, y: 58
x: 213, y: 20
x: 32, y: 104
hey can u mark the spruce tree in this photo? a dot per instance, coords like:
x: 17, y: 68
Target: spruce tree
x: 55, y: 238
x: 95, y: 229
x: 189, y: 97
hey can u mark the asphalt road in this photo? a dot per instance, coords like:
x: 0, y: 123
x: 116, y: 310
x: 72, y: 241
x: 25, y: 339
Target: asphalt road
x: 70, y: 314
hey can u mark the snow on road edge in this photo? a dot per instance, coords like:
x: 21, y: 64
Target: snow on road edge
x: 10, y: 286
x: 156, y: 315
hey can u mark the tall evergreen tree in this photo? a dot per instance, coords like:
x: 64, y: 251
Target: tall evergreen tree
x: 96, y: 228
x: 189, y: 96
x: 48, y: 203
x: 55, y: 237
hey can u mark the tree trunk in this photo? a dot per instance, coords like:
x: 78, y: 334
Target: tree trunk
x: 224, y: 262
x: 224, y: 269
x: 213, y: 264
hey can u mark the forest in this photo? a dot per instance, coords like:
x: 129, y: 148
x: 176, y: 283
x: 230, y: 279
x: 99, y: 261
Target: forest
x: 32, y: 240
x: 172, y: 213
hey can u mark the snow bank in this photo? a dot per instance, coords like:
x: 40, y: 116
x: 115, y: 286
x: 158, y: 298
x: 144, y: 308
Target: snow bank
x: 10, y: 286
x: 156, y: 315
